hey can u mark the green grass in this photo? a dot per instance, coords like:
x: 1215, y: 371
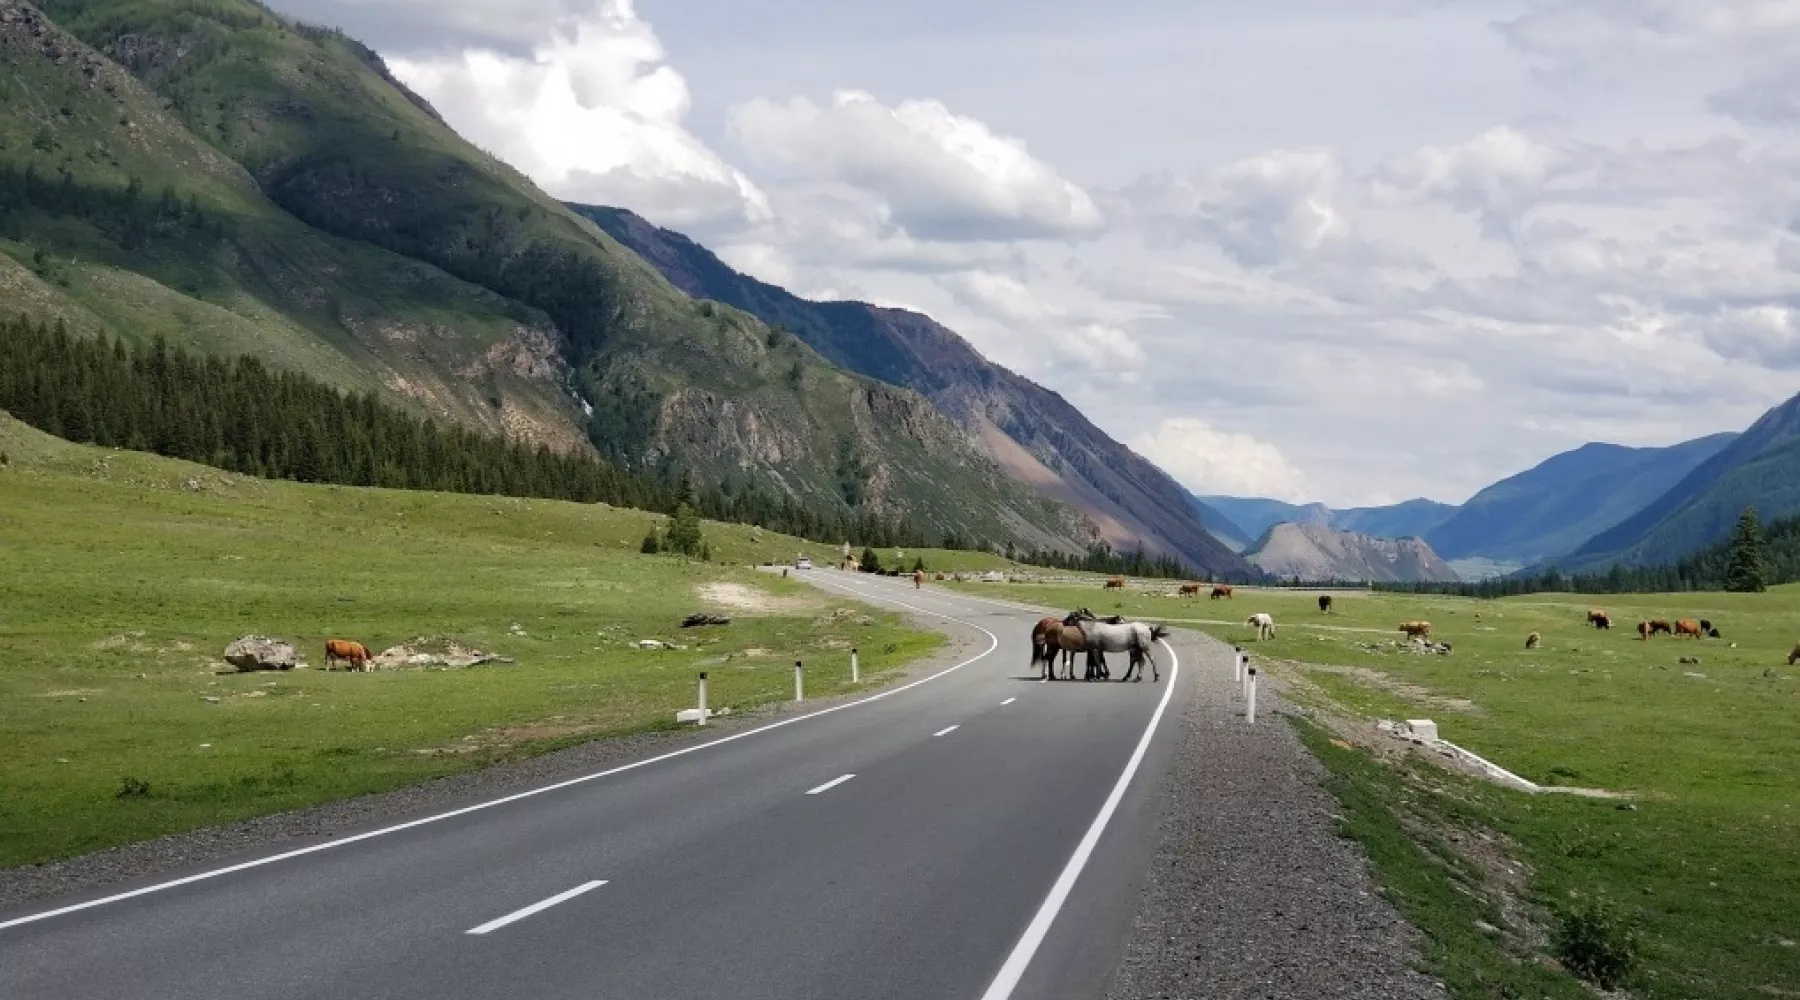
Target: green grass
x: 121, y: 587
x: 1711, y: 856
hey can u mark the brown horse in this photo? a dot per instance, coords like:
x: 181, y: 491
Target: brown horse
x: 1219, y: 591
x: 1190, y: 589
x: 1046, y: 641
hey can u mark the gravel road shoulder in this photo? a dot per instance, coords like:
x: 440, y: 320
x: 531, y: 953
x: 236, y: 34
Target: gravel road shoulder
x: 1251, y: 892
x: 178, y: 854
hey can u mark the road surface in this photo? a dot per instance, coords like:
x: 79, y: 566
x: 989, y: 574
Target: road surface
x: 973, y: 834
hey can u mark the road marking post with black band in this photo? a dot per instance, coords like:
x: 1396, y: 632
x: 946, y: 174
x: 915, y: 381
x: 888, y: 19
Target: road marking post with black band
x: 1250, y: 696
x: 799, y: 682
x: 702, y: 719
x: 855, y: 671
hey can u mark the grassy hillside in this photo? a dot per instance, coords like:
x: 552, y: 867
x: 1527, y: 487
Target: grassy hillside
x: 319, y: 214
x: 113, y: 211
x: 1031, y: 432
x: 126, y: 575
x: 1709, y: 753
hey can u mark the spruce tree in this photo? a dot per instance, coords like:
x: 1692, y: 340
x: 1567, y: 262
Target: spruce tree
x: 1744, y: 568
x: 871, y: 563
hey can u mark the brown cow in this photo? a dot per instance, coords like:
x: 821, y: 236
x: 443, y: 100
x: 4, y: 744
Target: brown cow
x: 1421, y: 630
x: 1189, y: 589
x: 1656, y: 625
x: 1324, y: 604
x: 1794, y: 654
x: 1643, y: 630
x: 1688, y: 627
x: 354, y: 652
x: 918, y: 578
x: 1219, y: 591
x: 1598, y: 618
x: 1115, y: 583
x: 1532, y: 640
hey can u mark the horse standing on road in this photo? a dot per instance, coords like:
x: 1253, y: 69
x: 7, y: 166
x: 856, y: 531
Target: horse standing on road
x: 1134, y: 638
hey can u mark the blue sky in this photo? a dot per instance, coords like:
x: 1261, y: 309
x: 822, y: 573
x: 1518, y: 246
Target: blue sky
x: 1337, y: 251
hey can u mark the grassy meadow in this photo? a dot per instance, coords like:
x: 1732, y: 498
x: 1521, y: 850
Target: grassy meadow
x: 1708, y: 753
x: 124, y: 576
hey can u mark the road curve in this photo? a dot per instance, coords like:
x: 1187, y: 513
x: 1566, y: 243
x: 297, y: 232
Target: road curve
x: 973, y: 834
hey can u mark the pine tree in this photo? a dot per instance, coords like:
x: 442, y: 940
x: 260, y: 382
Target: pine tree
x: 1744, y: 570
x: 871, y: 563
x: 651, y: 545
x: 683, y: 535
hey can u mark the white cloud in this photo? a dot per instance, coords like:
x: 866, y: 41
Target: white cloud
x: 1210, y: 461
x: 593, y: 114
x: 1262, y: 210
x: 1493, y: 176
x: 942, y: 176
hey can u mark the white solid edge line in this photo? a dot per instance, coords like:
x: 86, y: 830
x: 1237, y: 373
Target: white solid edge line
x: 993, y: 644
x: 829, y: 785
x: 1014, y: 968
x: 947, y: 730
x: 517, y: 915
x: 1009, y: 701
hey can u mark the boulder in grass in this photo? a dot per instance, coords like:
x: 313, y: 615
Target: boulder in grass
x: 255, y: 652
x: 703, y: 618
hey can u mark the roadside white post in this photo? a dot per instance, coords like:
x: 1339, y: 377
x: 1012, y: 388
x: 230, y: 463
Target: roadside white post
x: 855, y: 671
x: 799, y: 683
x: 1250, y: 697
x: 702, y: 719
x: 1237, y: 664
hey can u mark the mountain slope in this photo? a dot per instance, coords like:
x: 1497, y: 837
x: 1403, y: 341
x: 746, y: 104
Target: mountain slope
x: 1031, y: 432
x: 1760, y: 467
x: 1313, y: 552
x: 1256, y: 515
x: 321, y: 215
x: 1553, y: 507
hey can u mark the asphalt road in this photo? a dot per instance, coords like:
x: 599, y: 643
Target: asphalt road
x: 975, y: 834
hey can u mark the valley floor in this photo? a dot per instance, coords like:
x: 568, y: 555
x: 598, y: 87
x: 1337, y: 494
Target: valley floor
x: 1698, y: 856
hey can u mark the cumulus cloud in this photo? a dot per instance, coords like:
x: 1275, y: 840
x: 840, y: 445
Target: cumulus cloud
x: 942, y: 176
x: 1568, y: 34
x: 1493, y: 176
x: 1261, y: 211
x: 593, y: 114
x: 1210, y: 461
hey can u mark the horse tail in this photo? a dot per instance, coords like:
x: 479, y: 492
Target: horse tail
x: 1158, y: 632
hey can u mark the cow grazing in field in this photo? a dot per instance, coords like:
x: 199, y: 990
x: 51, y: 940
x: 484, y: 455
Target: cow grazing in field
x: 1532, y: 640
x: 1115, y: 583
x: 1219, y: 591
x: 1707, y: 629
x: 1264, y: 625
x: 918, y: 578
x: 354, y: 653
x: 1190, y: 589
x: 1688, y: 627
x: 1794, y: 654
x: 1662, y: 625
x: 1418, y: 630
x: 1324, y: 604
x: 1598, y: 618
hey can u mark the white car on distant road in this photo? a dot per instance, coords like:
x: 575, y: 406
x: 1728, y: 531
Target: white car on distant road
x: 803, y: 563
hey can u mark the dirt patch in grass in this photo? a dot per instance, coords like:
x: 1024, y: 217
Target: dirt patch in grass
x: 746, y: 599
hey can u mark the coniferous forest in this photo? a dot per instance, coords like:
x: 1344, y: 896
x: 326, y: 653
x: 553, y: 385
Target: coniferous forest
x: 240, y: 416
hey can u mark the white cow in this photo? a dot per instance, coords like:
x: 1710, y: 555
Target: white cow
x: 1264, y: 625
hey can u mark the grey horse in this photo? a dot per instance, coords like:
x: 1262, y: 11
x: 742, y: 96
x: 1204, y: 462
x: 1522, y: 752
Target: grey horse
x: 1135, y: 638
